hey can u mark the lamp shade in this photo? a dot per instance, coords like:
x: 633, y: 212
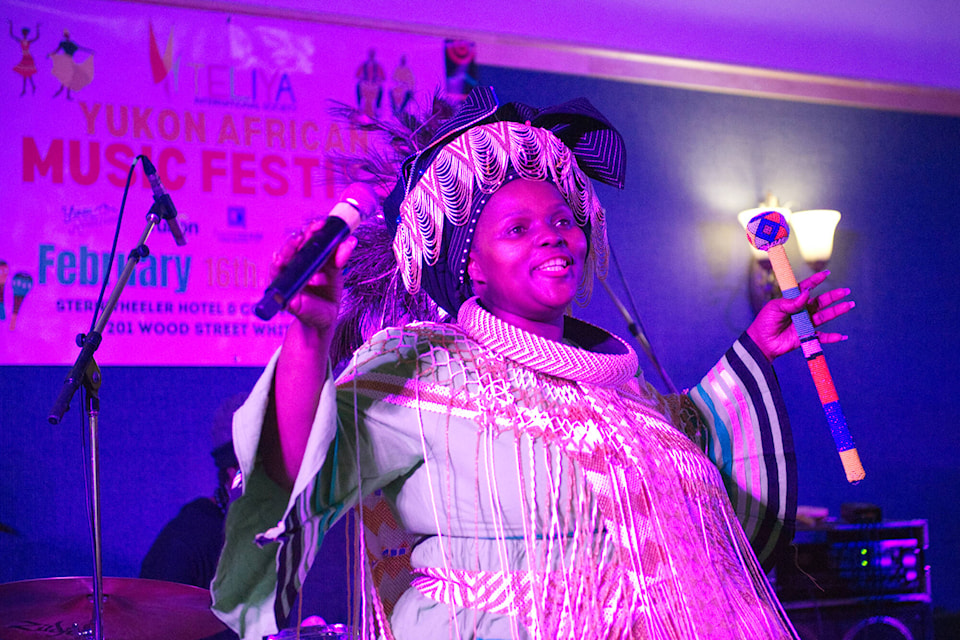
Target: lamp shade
x: 814, y: 231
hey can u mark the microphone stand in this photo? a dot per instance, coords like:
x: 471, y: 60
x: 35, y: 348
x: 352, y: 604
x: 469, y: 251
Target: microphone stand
x: 85, y: 372
x: 637, y: 332
x: 634, y: 325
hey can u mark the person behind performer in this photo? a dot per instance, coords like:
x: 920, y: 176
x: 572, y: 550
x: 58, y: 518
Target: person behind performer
x: 187, y: 548
x: 548, y: 490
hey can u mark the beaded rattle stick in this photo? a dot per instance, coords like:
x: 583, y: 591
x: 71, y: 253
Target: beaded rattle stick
x: 767, y: 232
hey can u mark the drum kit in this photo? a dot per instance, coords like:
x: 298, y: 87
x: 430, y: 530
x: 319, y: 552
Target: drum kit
x: 97, y: 607
x: 133, y: 609
x: 129, y: 608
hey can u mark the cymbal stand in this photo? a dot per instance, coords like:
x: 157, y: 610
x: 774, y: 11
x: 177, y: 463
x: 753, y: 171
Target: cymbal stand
x: 85, y: 372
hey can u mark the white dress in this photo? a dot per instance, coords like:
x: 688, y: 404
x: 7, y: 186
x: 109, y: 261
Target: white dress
x: 525, y: 488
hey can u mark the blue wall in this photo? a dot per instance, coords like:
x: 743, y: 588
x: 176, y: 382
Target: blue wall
x: 695, y: 159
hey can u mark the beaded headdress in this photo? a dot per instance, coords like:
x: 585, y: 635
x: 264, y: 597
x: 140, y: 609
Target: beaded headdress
x: 444, y: 186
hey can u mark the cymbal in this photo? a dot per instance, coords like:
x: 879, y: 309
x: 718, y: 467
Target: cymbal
x: 133, y: 609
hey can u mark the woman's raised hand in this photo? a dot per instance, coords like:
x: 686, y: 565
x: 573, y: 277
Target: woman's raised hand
x: 772, y: 330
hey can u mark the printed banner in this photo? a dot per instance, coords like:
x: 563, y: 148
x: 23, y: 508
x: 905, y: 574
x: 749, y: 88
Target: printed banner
x: 232, y: 109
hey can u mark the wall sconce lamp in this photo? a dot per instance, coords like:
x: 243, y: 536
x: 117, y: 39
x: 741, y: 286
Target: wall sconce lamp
x: 813, y: 230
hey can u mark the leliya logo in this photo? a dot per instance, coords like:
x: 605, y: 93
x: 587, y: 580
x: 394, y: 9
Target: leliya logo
x: 238, y: 83
x: 160, y: 63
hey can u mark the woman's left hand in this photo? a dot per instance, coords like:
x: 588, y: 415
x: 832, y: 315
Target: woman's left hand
x: 772, y: 330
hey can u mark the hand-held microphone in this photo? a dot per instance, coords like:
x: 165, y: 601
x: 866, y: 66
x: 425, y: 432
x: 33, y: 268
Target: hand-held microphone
x: 163, y: 203
x: 767, y: 232
x: 357, y: 202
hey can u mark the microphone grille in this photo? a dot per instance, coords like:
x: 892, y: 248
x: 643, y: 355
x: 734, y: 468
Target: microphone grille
x: 362, y: 196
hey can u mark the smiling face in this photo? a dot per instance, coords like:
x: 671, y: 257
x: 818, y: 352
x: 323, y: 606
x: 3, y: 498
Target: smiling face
x: 527, y: 256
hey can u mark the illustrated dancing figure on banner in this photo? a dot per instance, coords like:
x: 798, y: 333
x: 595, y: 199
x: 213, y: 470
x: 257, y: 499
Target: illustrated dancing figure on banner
x: 27, y: 67
x: 370, y: 79
x: 72, y: 75
x: 541, y: 489
x: 403, y: 86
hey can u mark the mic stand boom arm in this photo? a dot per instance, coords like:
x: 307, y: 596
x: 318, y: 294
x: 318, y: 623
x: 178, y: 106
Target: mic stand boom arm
x: 91, y: 342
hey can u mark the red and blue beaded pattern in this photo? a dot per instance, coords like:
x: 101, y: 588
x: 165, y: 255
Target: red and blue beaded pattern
x: 768, y: 232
